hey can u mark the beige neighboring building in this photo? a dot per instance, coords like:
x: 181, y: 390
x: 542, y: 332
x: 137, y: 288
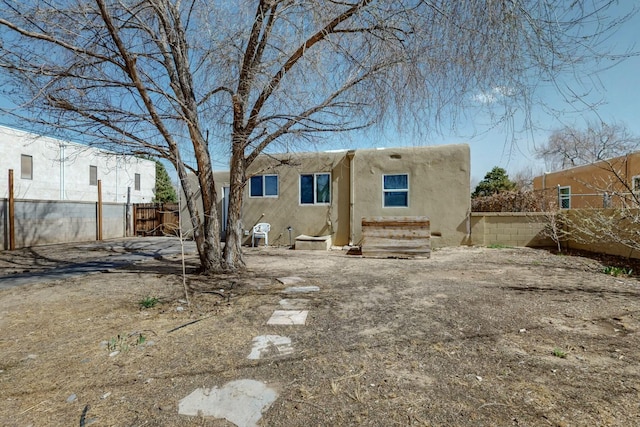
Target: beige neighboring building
x: 328, y: 193
x: 607, y: 183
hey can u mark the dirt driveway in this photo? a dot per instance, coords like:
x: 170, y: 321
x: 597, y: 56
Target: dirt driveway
x: 470, y: 337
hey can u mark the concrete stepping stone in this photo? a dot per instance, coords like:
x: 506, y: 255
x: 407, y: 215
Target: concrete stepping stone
x: 290, y: 280
x: 288, y: 317
x: 270, y: 346
x: 301, y: 289
x: 240, y: 402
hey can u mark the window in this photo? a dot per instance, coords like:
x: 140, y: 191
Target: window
x: 93, y: 175
x: 137, y: 182
x: 635, y: 184
x: 315, y: 189
x: 564, y: 197
x: 395, y: 189
x: 26, y: 167
x: 263, y: 186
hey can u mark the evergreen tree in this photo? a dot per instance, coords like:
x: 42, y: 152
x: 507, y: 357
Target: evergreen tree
x: 495, y: 181
x: 164, y: 191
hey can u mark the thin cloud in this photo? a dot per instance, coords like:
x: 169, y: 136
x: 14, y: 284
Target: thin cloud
x: 493, y: 95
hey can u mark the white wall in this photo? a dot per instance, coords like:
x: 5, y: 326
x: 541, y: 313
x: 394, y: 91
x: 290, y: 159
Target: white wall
x: 61, y: 170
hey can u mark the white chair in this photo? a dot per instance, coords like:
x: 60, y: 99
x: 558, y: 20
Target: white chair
x: 261, y: 230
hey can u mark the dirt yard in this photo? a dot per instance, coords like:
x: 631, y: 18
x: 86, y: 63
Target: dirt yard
x: 470, y: 337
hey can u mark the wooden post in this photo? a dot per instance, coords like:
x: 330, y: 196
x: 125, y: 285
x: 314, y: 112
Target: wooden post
x: 12, y: 225
x: 134, y: 221
x: 99, y: 209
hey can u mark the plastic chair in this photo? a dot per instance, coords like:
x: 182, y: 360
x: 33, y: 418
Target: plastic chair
x: 261, y: 230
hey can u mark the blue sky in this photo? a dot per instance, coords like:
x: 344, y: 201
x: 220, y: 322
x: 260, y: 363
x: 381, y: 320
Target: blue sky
x: 615, y: 90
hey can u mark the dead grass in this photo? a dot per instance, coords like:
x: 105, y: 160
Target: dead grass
x: 464, y: 338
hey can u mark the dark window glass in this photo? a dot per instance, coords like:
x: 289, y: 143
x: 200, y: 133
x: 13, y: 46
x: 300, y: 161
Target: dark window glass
x: 256, y: 186
x: 271, y: 185
x: 323, y: 188
x: 306, y: 189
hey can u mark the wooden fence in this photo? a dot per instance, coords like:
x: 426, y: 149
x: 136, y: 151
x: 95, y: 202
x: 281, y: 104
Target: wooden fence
x: 156, y: 219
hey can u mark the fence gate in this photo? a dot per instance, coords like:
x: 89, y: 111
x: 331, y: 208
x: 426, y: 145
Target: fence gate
x: 156, y: 219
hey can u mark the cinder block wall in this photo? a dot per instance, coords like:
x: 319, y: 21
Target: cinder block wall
x: 509, y: 228
x: 43, y: 222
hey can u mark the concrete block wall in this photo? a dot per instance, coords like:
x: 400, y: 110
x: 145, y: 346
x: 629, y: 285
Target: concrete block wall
x: 509, y: 229
x: 42, y: 222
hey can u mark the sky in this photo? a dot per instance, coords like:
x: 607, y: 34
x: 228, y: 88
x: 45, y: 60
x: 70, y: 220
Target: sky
x: 617, y: 89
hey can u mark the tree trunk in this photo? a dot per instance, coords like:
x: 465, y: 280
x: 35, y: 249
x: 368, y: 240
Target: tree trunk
x: 209, y: 255
x: 233, y: 247
x: 210, y: 249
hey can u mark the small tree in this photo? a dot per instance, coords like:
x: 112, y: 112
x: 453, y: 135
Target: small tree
x: 495, y: 181
x: 164, y: 191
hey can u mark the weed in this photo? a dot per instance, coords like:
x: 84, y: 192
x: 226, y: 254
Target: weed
x: 498, y: 246
x: 123, y: 342
x: 148, y: 302
x: 558, y: 352
x: 617, y: 271
x: 141, y: 339
x: 118, y: 343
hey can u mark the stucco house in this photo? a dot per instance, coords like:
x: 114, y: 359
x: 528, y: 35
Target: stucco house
x: 607, y: 183
x: 328, y: 193
x: 52, y: 169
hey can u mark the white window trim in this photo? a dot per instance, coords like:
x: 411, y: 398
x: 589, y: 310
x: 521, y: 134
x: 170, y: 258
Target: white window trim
x: 564, y: 196
x: 315, y: 190
x: 264, y: 183
x: 395, y: 190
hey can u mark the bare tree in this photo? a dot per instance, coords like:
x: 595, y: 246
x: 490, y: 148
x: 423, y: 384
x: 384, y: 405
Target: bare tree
x: 568, y: 147
x: 194, y: 81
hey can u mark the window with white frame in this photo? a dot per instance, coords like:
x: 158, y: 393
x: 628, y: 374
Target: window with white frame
x: 26, y: 167
x: 93, y: 175
x: 315, y: 189
x: 395, y: 189
x: 136, y: 182
x: 635, y: 184
x: 263, y: 186
x: 564, y: 197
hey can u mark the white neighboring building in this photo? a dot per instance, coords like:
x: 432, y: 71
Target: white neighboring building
x: 46, y: 168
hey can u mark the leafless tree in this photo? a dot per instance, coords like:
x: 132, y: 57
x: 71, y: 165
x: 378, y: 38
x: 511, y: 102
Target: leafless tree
x: 618, y: 222
x: 568, y: 147
x: 193, y: 81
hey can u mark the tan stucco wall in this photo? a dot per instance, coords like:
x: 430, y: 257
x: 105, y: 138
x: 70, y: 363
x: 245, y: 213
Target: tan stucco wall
x: 589, y: 182
x: 285, y: 210
x: 439, y: 188
x: 509, y: 228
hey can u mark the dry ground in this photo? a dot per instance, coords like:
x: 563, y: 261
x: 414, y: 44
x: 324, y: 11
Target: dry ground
x: 470, y: 337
